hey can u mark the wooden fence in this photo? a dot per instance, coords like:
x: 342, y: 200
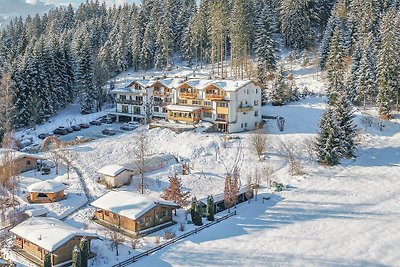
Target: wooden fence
x: 172, y: 241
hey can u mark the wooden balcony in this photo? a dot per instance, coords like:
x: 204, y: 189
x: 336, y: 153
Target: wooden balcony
x: 159, y: 93
x: 244, y: 108
x: 188, y: 95
x: 223, y: 110
x: 184, y: 119
x: 215, y: 97
x: 129, y: 102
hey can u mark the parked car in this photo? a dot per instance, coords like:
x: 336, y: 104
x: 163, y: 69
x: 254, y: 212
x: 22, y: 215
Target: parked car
x: 61, y: 131
x: 83, y: 125
x: 129, y: 126
x: 108, y: 131
x: 43, y: 135
x: 107, y: 119
x: 76, y: 128
x: 95, y: 122
x: 70, y: 129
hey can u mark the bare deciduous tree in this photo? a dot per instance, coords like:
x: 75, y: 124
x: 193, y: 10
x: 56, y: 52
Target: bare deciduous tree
x: 140, y: 150
x: 259, y: 142
x: 249, y: 188
x: 116, y: 240
x: 135, y: 241
x: 290, y: 151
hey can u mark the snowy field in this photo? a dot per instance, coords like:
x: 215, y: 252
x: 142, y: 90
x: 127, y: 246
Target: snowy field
x: 347, y: 215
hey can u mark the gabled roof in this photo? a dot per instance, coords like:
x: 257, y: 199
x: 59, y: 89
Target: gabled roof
x: 227, y: 85
x: 111, y: 170
x: 128, y: 204
x: 48, y: 233
x: 18, y: 155
x: 49, y: 186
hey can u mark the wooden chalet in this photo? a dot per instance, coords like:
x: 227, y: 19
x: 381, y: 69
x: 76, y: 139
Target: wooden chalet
x: 133, y: 212
x: 46, y: 192
x: 21, y: 162
x: 37, y: 236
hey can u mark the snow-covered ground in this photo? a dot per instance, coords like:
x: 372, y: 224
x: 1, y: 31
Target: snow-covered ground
x: 345, y: 215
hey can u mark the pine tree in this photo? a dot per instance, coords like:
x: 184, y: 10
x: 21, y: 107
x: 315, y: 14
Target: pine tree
x: 366, y: 82
x: 265, y: 44
x: 174, y: 191
x: 295, y: 23
x: 76, y: 257
x: 84, y: 251
x: 328, y: 141
x: 192, y: 209
x: 198, y: 214
x: 387, y: 65
x: 347, y: 130
x: 335, y: 67
x: 279, y: 89
x: 353, y: 77
x: 210, y: 208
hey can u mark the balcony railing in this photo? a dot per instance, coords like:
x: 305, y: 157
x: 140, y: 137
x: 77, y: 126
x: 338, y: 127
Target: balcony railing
x: 129, y: 102
x: 214, y: 97
x: 245, y: 108
x: 188, y: 95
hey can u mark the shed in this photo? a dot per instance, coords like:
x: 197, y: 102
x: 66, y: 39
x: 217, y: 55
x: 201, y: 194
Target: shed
x: 132, y: 211
x: 22, y: 161
x: 46, y: 191
x: 115, y: 175
x: 37, y: 236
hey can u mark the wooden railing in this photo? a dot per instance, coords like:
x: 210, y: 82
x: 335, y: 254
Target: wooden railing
x: 172, y: 241
x: 188, y: 95
x: 214, y: 97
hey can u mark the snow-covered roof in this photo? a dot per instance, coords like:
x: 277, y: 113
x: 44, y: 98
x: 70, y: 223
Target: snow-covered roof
x: 183, y: 108
x: 36, y: 212
x: 220, y: 197
x: 171, y: 82
x: 18, y: 155
x: 49, y: 186
x: 128, y: 90
x: 227, y: 85
x: 128, y: 204
x: 198, y: 83
x: 111, y: 170
x: 48, y: 233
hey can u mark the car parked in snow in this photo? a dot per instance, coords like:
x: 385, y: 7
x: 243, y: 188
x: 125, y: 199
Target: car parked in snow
x: 108, y: 131
x: 95, y: 122
x: 43, y: 135
x: 84, y: 125
x: 61, y: 131
x: 76, y: 128
x: 70, y: 129
x: 129, y: 126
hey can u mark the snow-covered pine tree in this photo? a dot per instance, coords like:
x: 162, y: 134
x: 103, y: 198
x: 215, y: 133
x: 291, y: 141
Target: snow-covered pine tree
x: 347, y: 129
x: 366, y: 83
x: 388, y: 73
x: 335, y: 67
x: 295, y: 23
x: 352, y: 78
x: 76, y: 257
x: 279, y: 88
x: 210, y: 208
x: 328, y: 141
x: 265, y: 45
x: 148, y: 47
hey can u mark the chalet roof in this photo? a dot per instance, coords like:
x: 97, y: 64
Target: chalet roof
x: 111, y: 170
x: 227, y: 85
x: 128, y: 204
x: 183, y: 108
x: 48, y: 233
x: 49, y: 186
x: 171, y: 82
x: 18, y: 155
x: 128, y: 90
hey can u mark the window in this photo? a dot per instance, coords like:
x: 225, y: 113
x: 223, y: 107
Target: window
x: 241, y: 125
x: 256, y: 91
x: 156, y: 109
x: 195, y: 102
x: 106, y: 213
x: 245, y: 125
x: 28, y: 162
x: 207, y: 103
x: 207, y: 114
x: 182, y: 101
x: 256, y: 113
x: 255, y: 102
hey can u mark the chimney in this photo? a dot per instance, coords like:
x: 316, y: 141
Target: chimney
x: 144, y: 77
x: 186, y: 78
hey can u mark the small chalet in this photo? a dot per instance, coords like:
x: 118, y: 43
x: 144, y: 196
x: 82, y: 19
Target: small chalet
x: 115, y: 175
x: 38, y: 236
x: 22, y: 162
x: 133, y: 212
x: 46, y: 192
x: 219, y: 203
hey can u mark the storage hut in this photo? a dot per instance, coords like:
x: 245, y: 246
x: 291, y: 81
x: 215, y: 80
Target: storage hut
x: 46, y: 192
x: 133, y: 212
x: 37, y: 236
x: 115, y: 175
